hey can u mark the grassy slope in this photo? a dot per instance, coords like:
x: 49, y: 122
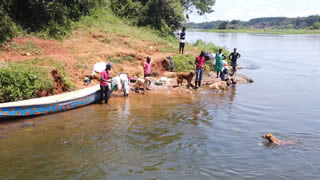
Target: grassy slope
x: 265, y: 31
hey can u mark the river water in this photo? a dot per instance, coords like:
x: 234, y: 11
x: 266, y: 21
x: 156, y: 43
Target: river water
x: 206, y: 136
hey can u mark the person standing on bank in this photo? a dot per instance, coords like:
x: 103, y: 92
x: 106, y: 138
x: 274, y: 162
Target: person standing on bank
x: 200, y: 62
x: 182, y: 40
x: 219, y: 62
x: 104, y: 88
x: 147, y: 66
x: 234, y: 57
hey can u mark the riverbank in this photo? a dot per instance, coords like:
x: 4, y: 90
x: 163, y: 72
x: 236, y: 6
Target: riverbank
x: 264, y: 31
x: 101, y: 37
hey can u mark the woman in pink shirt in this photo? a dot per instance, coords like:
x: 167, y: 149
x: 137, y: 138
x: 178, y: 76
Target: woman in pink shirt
x: 104, y: 88
x: 147, y: 66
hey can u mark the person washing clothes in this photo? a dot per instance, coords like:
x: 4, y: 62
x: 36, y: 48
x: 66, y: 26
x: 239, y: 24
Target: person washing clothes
x: 182, y: 40
x: 104, y: 88
x: 219, y: 62
x: 200, y: 62
x: 147, y: 66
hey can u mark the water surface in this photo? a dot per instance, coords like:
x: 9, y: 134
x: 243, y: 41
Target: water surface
x: 210, y: 136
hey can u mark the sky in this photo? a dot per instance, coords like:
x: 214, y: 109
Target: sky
x: 248, y: 9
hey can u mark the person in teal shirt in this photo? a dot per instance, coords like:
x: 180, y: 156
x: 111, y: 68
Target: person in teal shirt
x: 219, y: 62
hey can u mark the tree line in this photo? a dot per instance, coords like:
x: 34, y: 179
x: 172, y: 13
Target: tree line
x: 54, y: 17
x: 310, y: 22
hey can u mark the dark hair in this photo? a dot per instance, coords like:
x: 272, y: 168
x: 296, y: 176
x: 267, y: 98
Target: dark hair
x: 148, y: 58
x: 108, y: 66
x: 202, y: 54
x: 220, y: 50
x: 183, y: 29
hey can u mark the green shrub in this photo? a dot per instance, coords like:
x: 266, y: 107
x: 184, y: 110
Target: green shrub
x: 8, y: 29
x: 184, y: 63
x: 24, y: 80
x: 19, y: 83
x: 48, y: 17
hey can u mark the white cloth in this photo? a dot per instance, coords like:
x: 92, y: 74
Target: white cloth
x: 99, y: 67
x: 125, y: 83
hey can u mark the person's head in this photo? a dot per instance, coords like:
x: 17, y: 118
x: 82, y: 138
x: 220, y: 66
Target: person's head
x: 235, y: 50
x: 109, y: 66
x: 202, y: 54
x: 220, y: 50
x: 183, y: 29
x: 148, y: 59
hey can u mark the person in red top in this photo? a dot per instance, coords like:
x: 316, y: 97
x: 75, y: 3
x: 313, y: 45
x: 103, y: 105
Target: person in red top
x: 104, y: 88
x: 200, y: 62
x: 147, y: 66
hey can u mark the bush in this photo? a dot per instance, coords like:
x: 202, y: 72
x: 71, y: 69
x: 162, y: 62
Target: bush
x: 24, y: 80
x: 50, y: 16
x: 25, y: 84
x: 163, y: 15
x: 315, y: 26
x: 184, y: 63
x: 8, y: 28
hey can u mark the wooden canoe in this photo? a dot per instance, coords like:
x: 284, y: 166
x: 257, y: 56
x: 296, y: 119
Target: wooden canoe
x: 50, y: 104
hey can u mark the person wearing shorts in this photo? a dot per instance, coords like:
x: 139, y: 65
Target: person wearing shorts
x: 234, y: 56
x: 182, y: 40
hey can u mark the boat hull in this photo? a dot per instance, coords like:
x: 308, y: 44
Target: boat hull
x: 31, y: 110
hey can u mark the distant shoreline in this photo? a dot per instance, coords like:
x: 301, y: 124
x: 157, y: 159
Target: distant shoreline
x: 263, y: 31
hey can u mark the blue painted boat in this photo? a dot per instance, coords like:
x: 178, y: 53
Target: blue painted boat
x: 50, y: 104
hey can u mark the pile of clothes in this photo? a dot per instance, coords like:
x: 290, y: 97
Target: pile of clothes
x: 120, y: 82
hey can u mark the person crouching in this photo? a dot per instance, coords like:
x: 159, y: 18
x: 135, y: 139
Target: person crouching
x: 104, y: 88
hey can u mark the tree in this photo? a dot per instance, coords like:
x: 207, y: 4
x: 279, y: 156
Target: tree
x: 223, y: 25
x: 315, y: 26
x: 202, y: 6
x: 165, y: 15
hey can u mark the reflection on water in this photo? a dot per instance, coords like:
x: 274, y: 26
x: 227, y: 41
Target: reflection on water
x: 207, y: 136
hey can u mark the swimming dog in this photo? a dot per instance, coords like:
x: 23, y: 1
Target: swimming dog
x: 186, y: 76
x: 272, y: 139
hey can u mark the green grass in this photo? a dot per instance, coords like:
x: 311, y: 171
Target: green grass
x: 186, y: 63
x: 29, y: 47
x: 49, y: 64
x: 104, y: 21
x: 265, y: 31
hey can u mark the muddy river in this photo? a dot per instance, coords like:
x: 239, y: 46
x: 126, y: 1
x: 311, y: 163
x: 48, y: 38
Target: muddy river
x: 206, y: 136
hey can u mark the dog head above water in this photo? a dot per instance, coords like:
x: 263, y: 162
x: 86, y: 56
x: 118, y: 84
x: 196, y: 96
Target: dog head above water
x: 272, y: 139
x: 268, y: 137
